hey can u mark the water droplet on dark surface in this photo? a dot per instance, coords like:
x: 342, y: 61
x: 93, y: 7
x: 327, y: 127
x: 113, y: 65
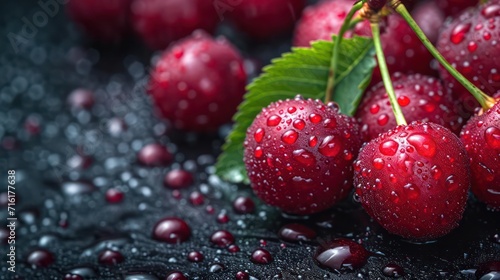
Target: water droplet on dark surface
x: 216, y: 267
x: 393, y: 270
x: 154, y: 155
x: 81, y: 98
x: 195, y: 256
x: 496, y: 238
x: 70, y: 276
x: 261, y: 256
x: 196, y: 198
x: 141, y: 276
x: 178, y: 179
x: 40, y: 258
x: 243, y: 205
x: 222, y: 238
x: 114, y: 195
x: 171, y: 230
x: 296, y: 232
x: 340, y: 254
x: 84, y: 272
x: 233, y: 248
x: 176, y: 275
x: 223, y: 217
x: 241, y: 275
x: 110, y: 257
x: 80, y: 162
x: 4, y: 235
x: 488, y: 271
x: 77, y: 188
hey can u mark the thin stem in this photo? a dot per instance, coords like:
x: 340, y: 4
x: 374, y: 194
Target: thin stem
x: 400, y: 118
x: 484, y: 100
x: 336, y: 50
x: 483, y: 1
x: 355, y: 21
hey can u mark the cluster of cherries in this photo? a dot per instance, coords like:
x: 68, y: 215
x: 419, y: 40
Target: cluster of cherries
x: 303, y: 156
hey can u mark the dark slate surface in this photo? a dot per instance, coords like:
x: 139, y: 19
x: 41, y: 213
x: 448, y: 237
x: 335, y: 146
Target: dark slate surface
x: 76, y: 226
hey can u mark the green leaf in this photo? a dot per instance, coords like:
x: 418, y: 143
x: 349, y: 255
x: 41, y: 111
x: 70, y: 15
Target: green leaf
x: 303, y: 71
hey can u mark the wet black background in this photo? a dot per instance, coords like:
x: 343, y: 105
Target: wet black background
x: 34, y: 84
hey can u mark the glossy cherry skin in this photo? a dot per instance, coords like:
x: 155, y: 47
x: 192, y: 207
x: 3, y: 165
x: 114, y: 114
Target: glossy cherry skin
x: 481, y: 137
x: 298, y: 155
x: 198, y: 83
x: 414, y: 180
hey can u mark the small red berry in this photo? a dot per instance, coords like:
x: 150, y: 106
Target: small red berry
x: 160, y: 22
x: 414, y: 180
x: 321, y: 21
x: 376, y: 5
x: 421, y: 98
x: 263, y: 19
x: 454, y: 7
x: 299, y: 153
x: 481, y: 137
x: 429, y: 18
x: 469, y: 44
x: 403, y: 50
x: 104, y: 21
x: 198, y: 83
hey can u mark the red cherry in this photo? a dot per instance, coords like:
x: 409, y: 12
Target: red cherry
x: 481, y: 137
x: 198, y: 83
x: 160, y: 22
x: 414, y: 180
x: 304, y: 168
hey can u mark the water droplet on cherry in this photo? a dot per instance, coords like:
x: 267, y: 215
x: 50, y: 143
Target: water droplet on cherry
x: 458, y: 33
x: 299, y: 124
x: 423, y: 143
x: 273, y: 120
x: 304, y: 157
x: 330, y: 146
x: 492, y: 136
x: 388, y: 147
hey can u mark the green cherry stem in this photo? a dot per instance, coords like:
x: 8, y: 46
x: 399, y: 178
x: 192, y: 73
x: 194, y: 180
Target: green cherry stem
x: 484, y: 100
x: 336, y: 50
x: 355, y: 21
x: 400, y: 118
